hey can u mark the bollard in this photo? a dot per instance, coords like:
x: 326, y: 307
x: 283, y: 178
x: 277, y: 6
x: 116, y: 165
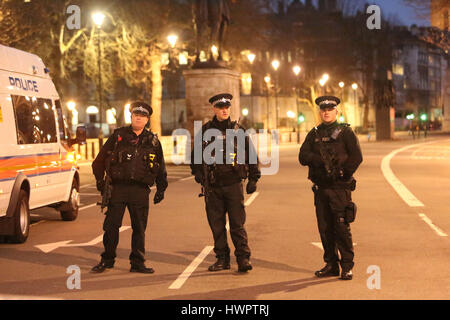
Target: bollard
x: 93, y: 150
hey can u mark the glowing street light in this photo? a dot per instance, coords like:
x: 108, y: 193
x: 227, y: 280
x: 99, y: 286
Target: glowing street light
x: 297, y: 70
x: 172, y: 40
x: 354, y: 86
x: 245, y: 112
x: 71, y: 105
x: 341, y: 84
x: 291, y: 114
x: 325, y: 77
x: 251, y: 57
x: 98, y: 19
x: 214, y: 50
x: 275, y: 64
x: 267, y: 79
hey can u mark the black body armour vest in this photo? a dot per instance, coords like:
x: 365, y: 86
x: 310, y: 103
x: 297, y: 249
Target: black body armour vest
x: 134, y: 162
x: 332, y: 143
x: 229, y: 166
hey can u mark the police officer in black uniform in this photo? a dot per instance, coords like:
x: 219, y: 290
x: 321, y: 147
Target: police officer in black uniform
x: 332, y: 153
x: 133, y: 159
x: 222, y: 184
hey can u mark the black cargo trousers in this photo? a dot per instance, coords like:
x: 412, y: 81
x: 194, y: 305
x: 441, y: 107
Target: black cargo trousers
x: 219, y: 201
x: 135, y: 197
x: 334, y: 231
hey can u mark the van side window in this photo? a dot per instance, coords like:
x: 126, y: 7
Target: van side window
x: 46, y: 120
x: 63, y: 130
x: 27, y: 131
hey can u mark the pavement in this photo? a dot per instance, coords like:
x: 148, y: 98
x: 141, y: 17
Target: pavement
x: 401, y: 237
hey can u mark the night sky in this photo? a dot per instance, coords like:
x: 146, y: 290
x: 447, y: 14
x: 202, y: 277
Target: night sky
x: 405, y: 13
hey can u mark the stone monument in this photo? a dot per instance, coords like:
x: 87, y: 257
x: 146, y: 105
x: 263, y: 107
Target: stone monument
x: 213, y: 76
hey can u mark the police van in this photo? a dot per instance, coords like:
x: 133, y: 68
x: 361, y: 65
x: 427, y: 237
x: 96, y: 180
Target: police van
x: 37, y: 161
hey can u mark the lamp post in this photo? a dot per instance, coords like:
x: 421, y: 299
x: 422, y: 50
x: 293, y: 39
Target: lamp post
x: 297, y: 70
x: 251, y: 57
x: 172, y: 39
x: 323, y: 81
x: 275, y: 66
x: 98, y: 18
x: 267, y: 81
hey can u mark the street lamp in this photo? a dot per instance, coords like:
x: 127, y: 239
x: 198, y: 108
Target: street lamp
x: 323, y: 81
x: 297, y: 70
x: 341, y: 84
x: 251, y: 57
x: 267, y: 81
x: 275, y: 66
x: 98, y: 19
x: 172, y: 39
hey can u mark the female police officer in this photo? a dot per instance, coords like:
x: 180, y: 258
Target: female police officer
x: 133, y: 159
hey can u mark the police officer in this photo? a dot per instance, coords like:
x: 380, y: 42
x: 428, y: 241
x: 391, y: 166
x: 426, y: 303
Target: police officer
x: 222, y: 183
x: 133, y: 159
x: 332, y: 153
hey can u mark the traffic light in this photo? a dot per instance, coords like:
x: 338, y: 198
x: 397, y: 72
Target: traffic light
x: 301, y: 118
x: 410, y: 116
x: 423, y: 117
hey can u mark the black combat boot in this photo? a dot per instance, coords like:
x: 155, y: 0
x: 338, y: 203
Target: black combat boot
x: 347, y: 275
x: 141, y: 268
x: 222, y: 263
x: 102, y: 266
x: 328, y: 271
x: 244, y: 264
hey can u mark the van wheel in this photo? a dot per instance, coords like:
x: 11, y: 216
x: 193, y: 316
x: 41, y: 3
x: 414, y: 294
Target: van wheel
x: 21, y: 219
x: 74, y: 203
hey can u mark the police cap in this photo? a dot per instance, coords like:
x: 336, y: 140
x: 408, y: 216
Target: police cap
x: 327, y: 102
x: 221, y: 100
x: 142, y: 108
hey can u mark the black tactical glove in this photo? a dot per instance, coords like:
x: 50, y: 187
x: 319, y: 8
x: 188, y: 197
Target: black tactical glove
x: 100, y: 185
x: 159, y: 196
x: 251, y: 186
x: 199, y: 178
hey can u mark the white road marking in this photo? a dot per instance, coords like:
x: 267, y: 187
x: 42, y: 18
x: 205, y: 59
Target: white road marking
x: 187, y: 178
x: 178, y: 283
x: 88, y: 206
x: 432, y: 226
x: 399, y: 187
x: 48, y: 247
x: 252, y: 197
x: 90, y: 194
x: 36, y: 223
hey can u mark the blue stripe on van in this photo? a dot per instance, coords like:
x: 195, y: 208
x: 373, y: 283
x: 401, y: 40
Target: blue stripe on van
x: 36, y: 174
x: 30, y: 155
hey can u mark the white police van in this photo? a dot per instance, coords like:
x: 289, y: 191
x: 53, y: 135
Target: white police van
x: 37, y: 163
